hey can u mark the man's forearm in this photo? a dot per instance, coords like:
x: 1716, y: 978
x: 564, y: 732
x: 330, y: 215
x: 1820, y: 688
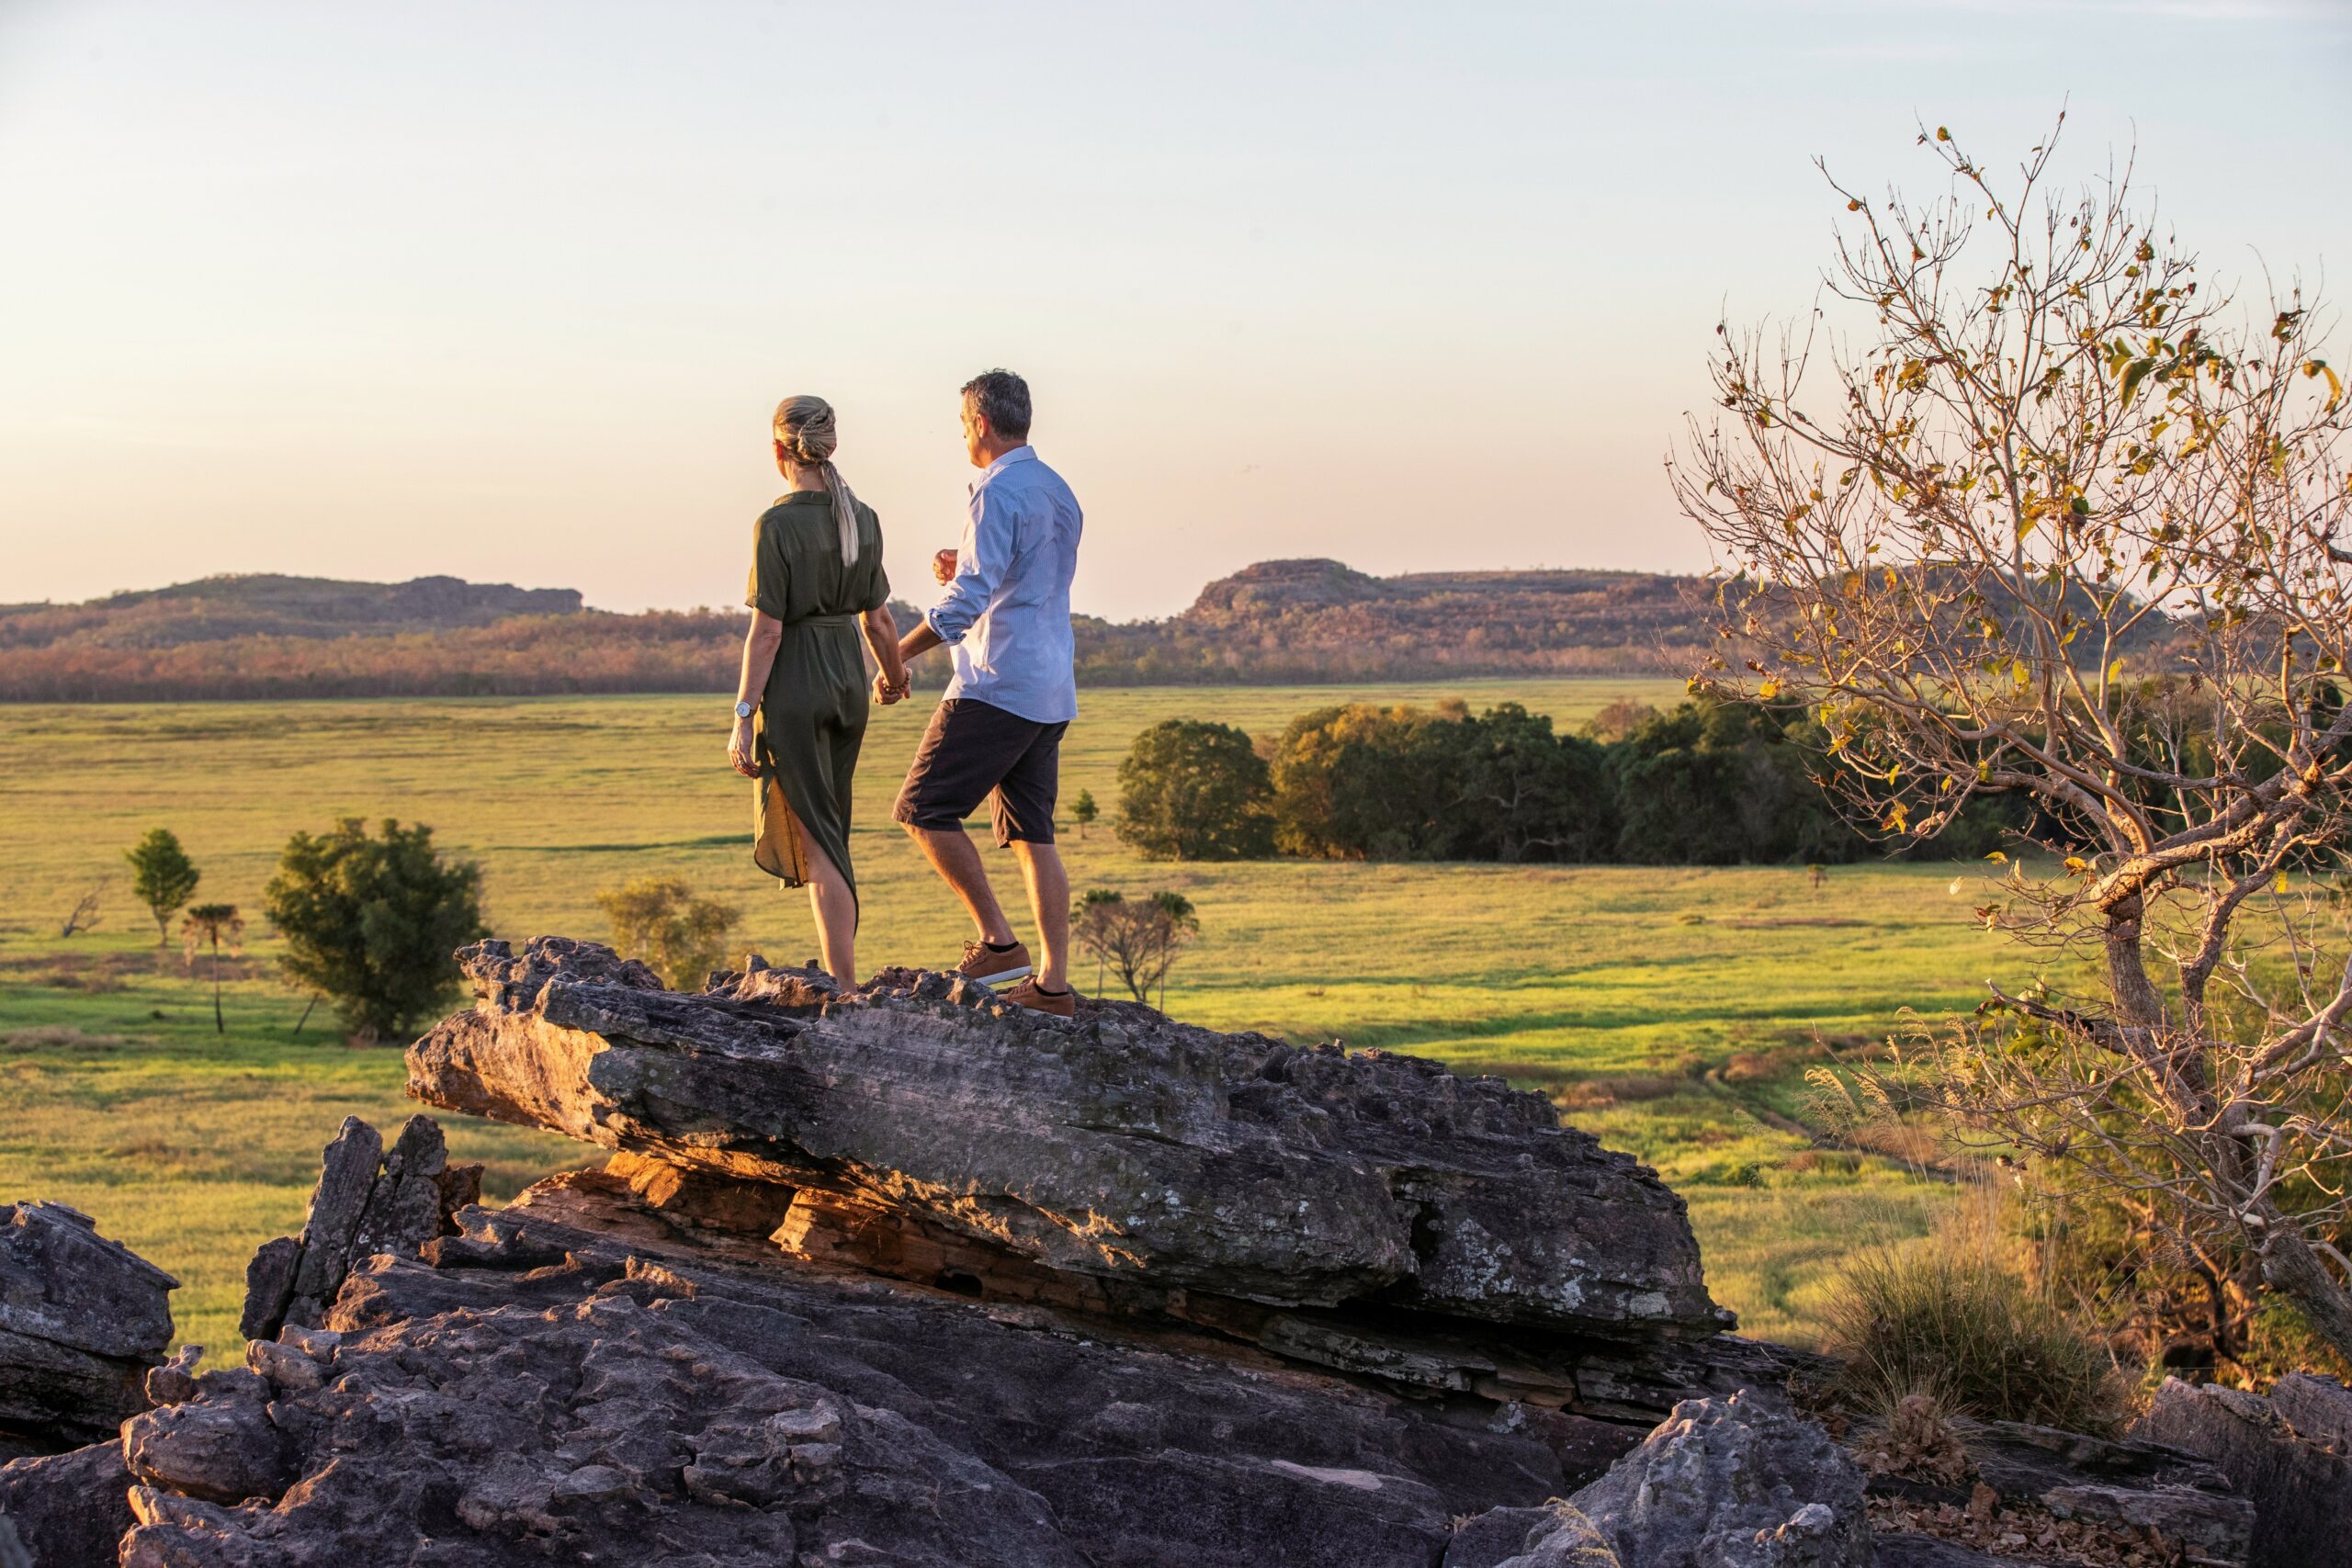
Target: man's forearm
x: 920, y: 639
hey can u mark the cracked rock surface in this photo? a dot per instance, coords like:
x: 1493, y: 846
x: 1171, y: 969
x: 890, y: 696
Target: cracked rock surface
x: 1123, y: 1146
x: 576, y: 1377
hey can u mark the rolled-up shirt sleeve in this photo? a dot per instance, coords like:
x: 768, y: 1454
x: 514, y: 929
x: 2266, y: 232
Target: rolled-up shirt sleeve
x: 981, y: 561
x: 769, y: 589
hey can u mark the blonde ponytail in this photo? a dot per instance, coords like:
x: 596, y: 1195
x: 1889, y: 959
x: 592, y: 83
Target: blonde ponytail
x: 804, y: 426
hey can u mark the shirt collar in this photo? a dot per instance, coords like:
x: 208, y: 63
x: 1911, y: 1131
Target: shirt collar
x: 1021, y: 453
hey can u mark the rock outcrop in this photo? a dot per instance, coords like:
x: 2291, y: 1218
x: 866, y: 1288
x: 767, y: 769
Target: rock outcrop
x: 367, y: 1200
x: 1127, y: 1148
x: 578, y: 1373
x: 2289, y: 1455
x: 81, y: 1318
x: 899, y: 1276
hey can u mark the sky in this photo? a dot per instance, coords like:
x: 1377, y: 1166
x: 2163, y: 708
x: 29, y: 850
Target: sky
x: 508, y: 292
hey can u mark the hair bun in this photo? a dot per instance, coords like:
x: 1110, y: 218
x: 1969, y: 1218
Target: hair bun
x: 805, y: 424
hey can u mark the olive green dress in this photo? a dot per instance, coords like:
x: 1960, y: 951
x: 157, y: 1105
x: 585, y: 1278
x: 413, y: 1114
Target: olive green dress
x: 813, y: 712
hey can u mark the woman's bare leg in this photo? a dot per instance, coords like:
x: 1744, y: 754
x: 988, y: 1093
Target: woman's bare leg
x: 835, y: 909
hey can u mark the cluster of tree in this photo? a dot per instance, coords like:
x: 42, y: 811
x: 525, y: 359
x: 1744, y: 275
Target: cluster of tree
x: 369, y: 921
x: 1710, y: 783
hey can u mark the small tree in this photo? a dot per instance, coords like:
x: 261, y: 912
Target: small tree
x: 162, y: 876
x: 1190, y: 790
x: 373, y: 923
x: 212, y: 924
x: 1084, y: 811
x: 1140, y: 939
x: 2053, y: 462
x: 661, y: 920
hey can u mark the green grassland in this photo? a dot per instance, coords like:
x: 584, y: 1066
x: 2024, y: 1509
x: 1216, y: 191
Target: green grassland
x: 1621, y: 991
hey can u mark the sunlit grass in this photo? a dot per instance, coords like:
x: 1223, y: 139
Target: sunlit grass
x: 192, y: 1149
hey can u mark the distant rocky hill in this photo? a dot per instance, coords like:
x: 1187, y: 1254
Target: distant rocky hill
x: 1320, y: 620
x: 1274, y: 622
x: 217, y: 609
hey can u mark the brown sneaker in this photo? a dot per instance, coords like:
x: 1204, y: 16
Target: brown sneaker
x: 1060, y: 1004
x: 992, y: 968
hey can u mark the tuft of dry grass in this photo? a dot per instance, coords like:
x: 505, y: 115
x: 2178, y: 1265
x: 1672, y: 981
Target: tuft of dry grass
x: 1943, y: 1320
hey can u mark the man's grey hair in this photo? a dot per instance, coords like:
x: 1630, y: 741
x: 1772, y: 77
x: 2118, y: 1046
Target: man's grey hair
x: 1003, y: 398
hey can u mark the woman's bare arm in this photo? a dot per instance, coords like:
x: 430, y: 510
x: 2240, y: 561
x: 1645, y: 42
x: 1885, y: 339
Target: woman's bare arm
x: 881, y: 630
x: 761, y: 640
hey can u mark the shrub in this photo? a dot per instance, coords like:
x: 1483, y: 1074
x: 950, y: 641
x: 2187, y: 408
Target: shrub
x: 372, y: 923
x: 660, y: 920
x: 1949, y: 1323
x: 162, y: 876
x: 1190, y: 790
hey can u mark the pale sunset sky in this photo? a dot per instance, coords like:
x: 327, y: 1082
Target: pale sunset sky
x: 508, y: 291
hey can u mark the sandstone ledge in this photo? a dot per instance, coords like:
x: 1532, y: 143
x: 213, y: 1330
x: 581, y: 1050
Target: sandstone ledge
x: 1127, y: 1147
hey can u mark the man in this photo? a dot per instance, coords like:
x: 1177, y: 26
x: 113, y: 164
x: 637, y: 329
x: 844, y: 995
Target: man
x: 998, y: 733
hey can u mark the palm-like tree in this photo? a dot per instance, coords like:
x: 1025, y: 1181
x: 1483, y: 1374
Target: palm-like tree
x: 213, y: 924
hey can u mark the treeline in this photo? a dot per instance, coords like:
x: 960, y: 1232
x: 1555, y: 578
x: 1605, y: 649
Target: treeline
x: 1708, y: 784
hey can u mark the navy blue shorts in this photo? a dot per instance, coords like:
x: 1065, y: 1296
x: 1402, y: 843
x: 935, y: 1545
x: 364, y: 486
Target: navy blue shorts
x: 974, y: 752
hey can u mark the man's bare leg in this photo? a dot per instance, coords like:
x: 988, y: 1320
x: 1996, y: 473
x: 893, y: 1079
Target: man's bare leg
x: 953, y: 854
x: 1041, y: 866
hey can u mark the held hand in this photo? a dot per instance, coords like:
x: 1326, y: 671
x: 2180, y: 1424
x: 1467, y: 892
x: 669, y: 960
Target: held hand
x: 739, y: 750
x: 884, y: 693
x: 943, y: 567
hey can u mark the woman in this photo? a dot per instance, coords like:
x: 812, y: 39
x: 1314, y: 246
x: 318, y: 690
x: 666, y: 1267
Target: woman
x: 800, y: 705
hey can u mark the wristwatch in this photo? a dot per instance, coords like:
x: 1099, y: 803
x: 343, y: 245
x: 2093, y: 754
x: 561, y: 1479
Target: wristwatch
x: 743, y: 710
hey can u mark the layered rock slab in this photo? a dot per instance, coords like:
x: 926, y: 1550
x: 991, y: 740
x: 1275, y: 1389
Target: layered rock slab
x: 81, y: 1318
x: 2291, y: 1454
x: 576, y: 1373
x: 1123, y: 1146
x: 368, y: 1200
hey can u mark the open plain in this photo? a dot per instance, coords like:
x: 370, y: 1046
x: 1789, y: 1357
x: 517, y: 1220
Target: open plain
x: 1672, y: 1010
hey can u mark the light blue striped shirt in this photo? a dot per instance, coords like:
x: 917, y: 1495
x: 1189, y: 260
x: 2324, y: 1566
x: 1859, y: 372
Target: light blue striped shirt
x: 1005, y: 616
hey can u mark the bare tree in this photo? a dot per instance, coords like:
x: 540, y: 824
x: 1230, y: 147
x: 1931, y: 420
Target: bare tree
x: 2058, y: 521
x: 1139, y: 938
x: 85, y: 915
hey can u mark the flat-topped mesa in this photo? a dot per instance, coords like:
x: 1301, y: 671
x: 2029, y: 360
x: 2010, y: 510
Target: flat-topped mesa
x: 1123, y: 1146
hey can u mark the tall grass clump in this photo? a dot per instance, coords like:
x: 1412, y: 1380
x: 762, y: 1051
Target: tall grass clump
x: 1949, y: 1323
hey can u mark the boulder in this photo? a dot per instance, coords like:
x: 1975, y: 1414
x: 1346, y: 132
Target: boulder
x: 1125, y: 1148
x: 367, y: 1199
x: 81, y: 1318
x: 2298, y: 1489
x: 69, y: 1509
x: 1736, y: 1482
